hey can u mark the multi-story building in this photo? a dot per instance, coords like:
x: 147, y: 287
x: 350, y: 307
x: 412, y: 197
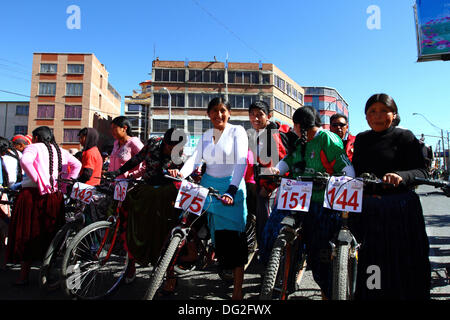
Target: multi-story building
x: 327, y: 101
x: 70, y: 91
x: 13, y: 118
x: 181, y: 91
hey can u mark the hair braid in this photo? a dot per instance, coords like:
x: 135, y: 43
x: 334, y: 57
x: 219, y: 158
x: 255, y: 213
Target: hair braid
x: 50, y: 155
x: 303, y: 142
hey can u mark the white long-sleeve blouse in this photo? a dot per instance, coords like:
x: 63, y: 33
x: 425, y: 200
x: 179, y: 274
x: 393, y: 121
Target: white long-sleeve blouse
x: 227, y: 157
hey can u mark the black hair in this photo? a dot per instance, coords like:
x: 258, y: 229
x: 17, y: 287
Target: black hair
x: 83, y: 132
x: 44, y: 135
x: 337, y: 116
x: 7, y: 148
x: 218, y: 101
x: 385, y: 99
x: 262, y: 105
x: 123, y: 121
x: 182, y: 138
x: 307, y: 117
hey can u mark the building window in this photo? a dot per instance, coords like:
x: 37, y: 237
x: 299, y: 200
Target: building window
x: 211, y: 76
x: 279, y: 105
x: 266, y: 78
x: 22, y: 110
x: 75, y: 68
x: 72, y: 112
x: 74, y: 89
x: 169, y: 75
x: 199, y: 126
x: 47, y: 88
x: 71, y: 136
x: 288, y: 111
x: 280, y: 83
x: 200, y: 100
x: 242, y: 101
x: 162, y: 100
x: 246, y: 124
x: 20, y: 130
x: 134, y: 107
x: 49, y: 67
x: 46, y: 112
x: 243, y: 77
x: 162, y: 126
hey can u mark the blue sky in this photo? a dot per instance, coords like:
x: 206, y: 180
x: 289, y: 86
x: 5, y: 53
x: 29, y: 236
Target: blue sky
x: 317, y: 43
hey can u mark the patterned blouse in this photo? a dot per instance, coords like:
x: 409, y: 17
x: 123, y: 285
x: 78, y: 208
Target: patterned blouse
x: 155, y: 162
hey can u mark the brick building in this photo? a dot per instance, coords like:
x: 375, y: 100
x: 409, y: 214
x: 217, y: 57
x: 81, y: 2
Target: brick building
x: 190, y: 85
x: 70, y: 91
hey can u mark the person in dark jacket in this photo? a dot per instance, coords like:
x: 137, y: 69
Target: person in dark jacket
x: 270, y: 142
x: 391, y: 227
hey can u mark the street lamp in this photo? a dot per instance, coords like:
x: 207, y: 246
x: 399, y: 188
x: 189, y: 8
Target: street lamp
x: 442, y: 137
x: 170, y: 106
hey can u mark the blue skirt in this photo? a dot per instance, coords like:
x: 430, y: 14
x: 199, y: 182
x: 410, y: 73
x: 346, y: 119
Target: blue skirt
x: 220, y: 216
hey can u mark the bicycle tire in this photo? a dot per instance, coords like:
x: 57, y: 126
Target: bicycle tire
x: 83, y: 254
x: 162, y: 266
x: 271, y: 274
x: 50, y: 271
x: 341, y: 275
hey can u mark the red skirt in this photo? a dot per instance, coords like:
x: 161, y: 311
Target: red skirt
x: 34, y: 222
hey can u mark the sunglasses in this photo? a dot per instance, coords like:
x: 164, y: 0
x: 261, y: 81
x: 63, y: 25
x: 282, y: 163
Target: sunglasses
x: 338, y: 125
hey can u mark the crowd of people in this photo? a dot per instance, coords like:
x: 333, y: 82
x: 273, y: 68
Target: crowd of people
x: 391, y: 227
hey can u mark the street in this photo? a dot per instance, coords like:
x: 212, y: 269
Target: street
x: 207, y: 285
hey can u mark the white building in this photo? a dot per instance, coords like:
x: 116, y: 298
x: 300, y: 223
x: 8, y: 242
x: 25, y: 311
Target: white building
x: 13, y: 118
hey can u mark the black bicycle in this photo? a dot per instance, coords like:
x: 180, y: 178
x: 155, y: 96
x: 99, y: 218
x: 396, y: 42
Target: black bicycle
x: 192, y: 227
x: 287, y: 261
x: 443, y: 185
x: 78, y: 214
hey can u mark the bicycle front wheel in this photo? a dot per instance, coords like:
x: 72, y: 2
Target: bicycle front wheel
x: 95, y: 262
x: 342, y: 279
x: 275, y: 282
x: 161, y: 267
x: 50, y: 270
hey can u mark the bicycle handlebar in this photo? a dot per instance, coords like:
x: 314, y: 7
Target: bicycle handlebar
x: 433, y: 182
x: 213, y: 192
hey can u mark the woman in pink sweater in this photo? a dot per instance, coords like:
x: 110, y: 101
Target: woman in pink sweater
x: 39, y: 208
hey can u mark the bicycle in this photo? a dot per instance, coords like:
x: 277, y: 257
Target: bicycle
x: 344, y: 246
x: 280, y: 282
x: 443, y: 185
x: 192, y: 227
x: 77, y: 214
x: 287, y: 261
x: 96, y: 260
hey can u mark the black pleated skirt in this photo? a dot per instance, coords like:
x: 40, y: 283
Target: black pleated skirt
x: 393, y: 259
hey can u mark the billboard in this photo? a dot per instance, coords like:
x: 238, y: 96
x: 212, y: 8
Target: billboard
x: 433, y: 29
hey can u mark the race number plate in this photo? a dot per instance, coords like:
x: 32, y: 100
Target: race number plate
x: 120, y: 190
x: 191, y: 197
x: 294, y: 195
x: 344, y: 194
x: 82, y: 192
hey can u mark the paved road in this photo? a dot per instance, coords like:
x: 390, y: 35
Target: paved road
x: 207, y: 285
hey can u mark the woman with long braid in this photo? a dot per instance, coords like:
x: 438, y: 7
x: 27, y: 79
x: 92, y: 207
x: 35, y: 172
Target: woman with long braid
x: 316, y: 150
x: 39, y: 207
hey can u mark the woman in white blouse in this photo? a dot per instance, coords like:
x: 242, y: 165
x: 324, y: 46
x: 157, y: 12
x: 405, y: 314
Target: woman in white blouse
x: 224, y: 149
